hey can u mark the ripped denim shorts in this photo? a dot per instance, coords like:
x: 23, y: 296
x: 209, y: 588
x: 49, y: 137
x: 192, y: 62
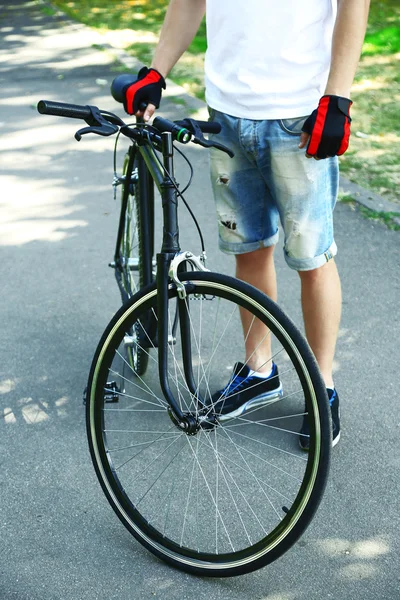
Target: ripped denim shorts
x: 270, y: 180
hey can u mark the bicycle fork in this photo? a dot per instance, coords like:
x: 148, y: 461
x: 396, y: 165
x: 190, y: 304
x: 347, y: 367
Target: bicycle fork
x: 169, y: 264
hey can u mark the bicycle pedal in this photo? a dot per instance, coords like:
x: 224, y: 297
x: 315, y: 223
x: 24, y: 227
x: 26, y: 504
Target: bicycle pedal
x: 112, y: 392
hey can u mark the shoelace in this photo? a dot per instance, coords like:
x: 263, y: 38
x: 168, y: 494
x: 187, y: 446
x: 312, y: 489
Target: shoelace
x: 235, y: 384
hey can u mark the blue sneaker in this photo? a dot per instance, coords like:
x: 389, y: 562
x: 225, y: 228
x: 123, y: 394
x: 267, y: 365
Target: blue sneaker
x: 245, y: 391
x: 304, y: 437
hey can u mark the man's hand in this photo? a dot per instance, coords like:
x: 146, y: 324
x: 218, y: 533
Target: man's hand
x: 327, y: 130
x: 147, y: 91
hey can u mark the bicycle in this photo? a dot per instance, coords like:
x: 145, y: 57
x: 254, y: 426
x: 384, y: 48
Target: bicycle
x: 211, y: 496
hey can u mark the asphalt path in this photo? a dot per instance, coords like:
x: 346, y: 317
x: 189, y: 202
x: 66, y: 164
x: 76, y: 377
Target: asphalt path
x: 58, y: 536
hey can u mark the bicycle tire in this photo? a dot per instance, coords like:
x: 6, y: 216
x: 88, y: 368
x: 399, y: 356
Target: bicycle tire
x: 137, y: 245
x: 208, y: 525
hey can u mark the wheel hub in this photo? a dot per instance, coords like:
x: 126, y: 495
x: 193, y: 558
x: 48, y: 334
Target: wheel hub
x: 192, y: 423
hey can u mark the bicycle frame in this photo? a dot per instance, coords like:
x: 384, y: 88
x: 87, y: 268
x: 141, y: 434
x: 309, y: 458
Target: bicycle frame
x: 150, y: 170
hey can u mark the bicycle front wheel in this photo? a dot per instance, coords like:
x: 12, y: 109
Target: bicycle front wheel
x: 229, y: 498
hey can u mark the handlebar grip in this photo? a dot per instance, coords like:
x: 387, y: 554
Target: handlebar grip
x: 209, y: 126
x: 205, y: 126
x: 62, y: 109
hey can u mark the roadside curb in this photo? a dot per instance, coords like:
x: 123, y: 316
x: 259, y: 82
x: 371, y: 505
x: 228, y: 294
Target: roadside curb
x: 370, y: 200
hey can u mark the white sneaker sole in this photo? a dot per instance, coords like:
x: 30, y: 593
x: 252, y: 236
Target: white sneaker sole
x: 258, y: 401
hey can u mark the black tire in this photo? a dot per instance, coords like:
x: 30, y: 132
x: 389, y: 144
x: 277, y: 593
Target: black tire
x: 208, y: 503
x: 137, y: 246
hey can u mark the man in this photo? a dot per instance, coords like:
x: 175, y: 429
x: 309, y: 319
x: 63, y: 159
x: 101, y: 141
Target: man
x: 278, y: 79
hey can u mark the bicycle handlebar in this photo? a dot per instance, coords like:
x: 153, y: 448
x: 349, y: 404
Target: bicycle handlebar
x: 105, y: 123
x: 75, y: 111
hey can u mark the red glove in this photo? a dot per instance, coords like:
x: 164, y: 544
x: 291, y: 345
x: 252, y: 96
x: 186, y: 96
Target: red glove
x: 147, y: 90
x: 329, y: 127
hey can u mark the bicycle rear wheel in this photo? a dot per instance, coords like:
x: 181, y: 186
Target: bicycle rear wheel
x: 230, y: 498
x: 136, y: 262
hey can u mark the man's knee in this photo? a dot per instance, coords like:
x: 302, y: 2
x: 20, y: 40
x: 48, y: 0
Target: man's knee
x: 260, y: 256
x: 313, y: 275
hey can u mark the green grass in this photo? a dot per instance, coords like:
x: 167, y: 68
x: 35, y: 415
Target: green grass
x: 383, y: 35
x: 48, y: 10
x: 372, y: 162
x: 386, y: 41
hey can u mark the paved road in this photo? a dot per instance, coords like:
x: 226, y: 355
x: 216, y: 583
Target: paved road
x: 59, y: 538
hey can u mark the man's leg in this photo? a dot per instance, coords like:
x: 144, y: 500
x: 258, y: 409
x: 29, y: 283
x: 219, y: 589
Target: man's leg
x: 258, y: 269
x: 321, y: 302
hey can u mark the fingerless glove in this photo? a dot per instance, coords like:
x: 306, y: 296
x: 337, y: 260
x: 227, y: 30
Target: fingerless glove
x: 329, y: 127
x: 147, y: 89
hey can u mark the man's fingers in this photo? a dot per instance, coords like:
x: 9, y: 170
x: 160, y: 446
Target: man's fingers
x: 304, y: 139
x: 149, y: 112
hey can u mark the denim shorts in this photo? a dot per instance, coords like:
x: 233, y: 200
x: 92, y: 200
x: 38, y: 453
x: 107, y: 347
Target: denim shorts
x: 270, y: 181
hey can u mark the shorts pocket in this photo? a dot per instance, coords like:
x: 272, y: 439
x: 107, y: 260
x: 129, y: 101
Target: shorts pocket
x: 292, y: 126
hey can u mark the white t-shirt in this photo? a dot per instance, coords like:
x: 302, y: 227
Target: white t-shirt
x: 268, y: 59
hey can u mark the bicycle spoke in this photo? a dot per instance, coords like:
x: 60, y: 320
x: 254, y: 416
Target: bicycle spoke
x: 148, y: 464
x: 238, y: 448
x: 242, y: 496
x: 160, y: 475
x: 297, y: 456
x: 161, y: 401
x: 248, y: 422
x: 147, y: 388
x: 187, y: 502
x: 213, y: 499
x: 173, y: 435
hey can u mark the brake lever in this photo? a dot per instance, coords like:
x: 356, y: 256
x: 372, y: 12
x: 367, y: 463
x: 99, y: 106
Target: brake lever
x: 207, y: 144
x: 221, y: 147
x: 97, y: 124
